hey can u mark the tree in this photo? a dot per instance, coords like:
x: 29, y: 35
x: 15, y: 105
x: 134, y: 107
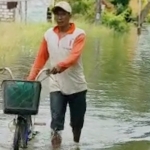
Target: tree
x: 79, y: 6
x: 123, y: 2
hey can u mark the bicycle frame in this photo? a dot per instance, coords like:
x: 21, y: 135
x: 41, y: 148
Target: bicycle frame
x: 21, y: 119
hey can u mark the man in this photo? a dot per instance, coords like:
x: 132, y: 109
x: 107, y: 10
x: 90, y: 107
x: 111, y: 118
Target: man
x: 62, y: 46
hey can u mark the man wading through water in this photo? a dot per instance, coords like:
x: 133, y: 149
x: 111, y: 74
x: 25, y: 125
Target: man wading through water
x: 62, y: 46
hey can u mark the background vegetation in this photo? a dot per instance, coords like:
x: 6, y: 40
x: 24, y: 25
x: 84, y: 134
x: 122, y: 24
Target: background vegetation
x: 119, y: 17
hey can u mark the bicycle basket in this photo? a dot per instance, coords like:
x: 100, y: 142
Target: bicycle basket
x: 21, y: 97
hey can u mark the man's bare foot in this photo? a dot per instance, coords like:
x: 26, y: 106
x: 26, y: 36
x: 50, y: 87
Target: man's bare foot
x: 56, y: 139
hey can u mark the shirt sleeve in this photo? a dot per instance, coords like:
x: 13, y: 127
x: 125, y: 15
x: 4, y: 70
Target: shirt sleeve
x: 75, y: 53
x: 40, y: 60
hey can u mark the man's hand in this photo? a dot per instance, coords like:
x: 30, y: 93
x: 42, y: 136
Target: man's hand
x: 54, y: 70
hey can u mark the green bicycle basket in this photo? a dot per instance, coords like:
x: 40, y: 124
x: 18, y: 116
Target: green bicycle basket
x: 21, y: 97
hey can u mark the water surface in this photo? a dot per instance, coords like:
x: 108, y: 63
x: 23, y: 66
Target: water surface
x: 118, y: 74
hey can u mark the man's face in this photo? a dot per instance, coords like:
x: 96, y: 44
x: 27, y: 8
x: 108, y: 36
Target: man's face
x: 62, y: 17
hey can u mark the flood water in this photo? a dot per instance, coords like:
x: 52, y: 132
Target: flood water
x: 118, y: 111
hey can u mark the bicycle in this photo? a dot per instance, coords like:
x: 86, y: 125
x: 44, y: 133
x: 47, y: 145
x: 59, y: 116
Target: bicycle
x: 23, y: 124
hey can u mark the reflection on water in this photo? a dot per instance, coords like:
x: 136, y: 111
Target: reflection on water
x: 117, y: 118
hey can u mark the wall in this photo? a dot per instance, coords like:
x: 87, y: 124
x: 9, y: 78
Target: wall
x: 36, y: 11
x: 6, y: 14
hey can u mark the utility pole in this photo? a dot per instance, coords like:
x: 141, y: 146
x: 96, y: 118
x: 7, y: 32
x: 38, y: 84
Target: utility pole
x: 98, y: 11
x: 97, y: 22
x: 26, y: 8
x: 139, y: 18
x: 20, y: 10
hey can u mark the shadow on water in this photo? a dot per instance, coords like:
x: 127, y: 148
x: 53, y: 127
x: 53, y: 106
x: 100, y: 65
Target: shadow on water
x: 118, y: 111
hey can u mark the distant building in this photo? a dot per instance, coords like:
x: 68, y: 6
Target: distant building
x: 7, y: 11
x: 24, y: 10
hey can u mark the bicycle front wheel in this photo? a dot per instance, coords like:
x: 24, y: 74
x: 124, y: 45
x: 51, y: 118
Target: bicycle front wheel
x: 24, y: 135
x: 16, y: 141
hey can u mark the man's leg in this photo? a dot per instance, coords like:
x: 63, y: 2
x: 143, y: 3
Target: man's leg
x: 58, y: 105
x: 77, y: 103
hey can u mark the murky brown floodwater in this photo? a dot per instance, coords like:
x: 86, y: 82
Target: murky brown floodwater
x: 118, y: 112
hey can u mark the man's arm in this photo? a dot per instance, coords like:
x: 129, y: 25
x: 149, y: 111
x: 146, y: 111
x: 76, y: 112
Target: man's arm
x: 75, y: 53
x: 40, y: 60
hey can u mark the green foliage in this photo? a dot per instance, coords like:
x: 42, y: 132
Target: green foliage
x: 119, y: 9
x: 148, y: 18
x: 118, y: 23
x: 127, y: 14
x: 123, y: 2
x: 85, y: 10
x: 79, y: 6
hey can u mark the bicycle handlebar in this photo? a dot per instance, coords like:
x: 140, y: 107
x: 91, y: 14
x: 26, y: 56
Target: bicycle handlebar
x: 43, y: 70
x: 8, y: 70
x: 11, y: 74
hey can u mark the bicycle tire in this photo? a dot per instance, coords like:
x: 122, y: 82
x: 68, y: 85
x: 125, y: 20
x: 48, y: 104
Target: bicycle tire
x: 16, y: 140
x: 24, y: 135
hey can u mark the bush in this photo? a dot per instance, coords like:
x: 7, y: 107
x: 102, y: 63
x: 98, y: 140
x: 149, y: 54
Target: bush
x: 85, y: 10
x: 79, y: 6
x: 127, y: 14
x: 148, y: 18
x: 120, y: 9
x: 123, y: 2
x: 118, y: 23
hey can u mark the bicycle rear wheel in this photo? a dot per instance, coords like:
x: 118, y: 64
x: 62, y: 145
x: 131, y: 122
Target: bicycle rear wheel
x: 16, y: 141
